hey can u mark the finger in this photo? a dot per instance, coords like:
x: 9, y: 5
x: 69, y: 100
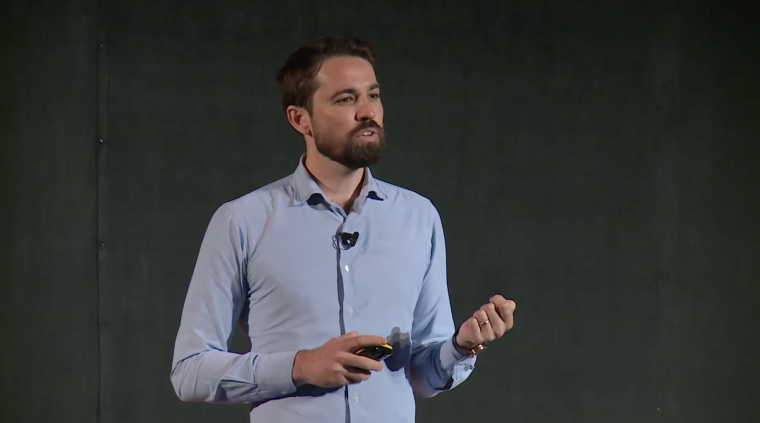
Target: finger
x: 359, y: 362
x: 470, y: 331
x: 498, y: 326
x: 506, y: 309
x: 496, y: 298
x: 348, y: 376
x: 473, y: 326
x: 481, y: 316
x: 503, y: 305
x: 351, y: 334
x: 362, y: 341
x: 354, y: 376
x: 484, y: 324
x: 357, y: 372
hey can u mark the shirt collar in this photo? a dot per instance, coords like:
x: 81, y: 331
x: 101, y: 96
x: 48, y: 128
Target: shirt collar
x: 305, y: 186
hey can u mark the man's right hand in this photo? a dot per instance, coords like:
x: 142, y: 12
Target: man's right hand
x: 335, y: 363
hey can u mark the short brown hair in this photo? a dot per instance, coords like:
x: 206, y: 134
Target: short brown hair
x: 296, y: 78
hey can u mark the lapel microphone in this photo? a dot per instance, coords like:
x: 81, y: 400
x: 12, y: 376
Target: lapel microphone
x: 347, y: 240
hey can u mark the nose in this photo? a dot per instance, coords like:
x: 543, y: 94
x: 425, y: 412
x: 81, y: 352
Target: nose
x: 365, y: 110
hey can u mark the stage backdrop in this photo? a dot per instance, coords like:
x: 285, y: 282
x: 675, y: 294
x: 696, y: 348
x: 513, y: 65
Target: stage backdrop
x: 596, y: 161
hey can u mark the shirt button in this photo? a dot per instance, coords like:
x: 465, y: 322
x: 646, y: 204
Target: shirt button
x: 356, y: 399
x: 347, y: 268
x: 350, y: 311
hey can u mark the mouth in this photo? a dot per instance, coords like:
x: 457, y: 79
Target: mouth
x: 367, y: 134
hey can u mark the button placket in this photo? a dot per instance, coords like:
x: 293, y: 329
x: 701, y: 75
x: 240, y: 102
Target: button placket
x: 347, y: 268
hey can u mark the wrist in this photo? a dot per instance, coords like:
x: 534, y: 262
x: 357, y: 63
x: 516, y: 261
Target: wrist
x: 467, y: 348
x: 299, y: 376
x: 459, y: 345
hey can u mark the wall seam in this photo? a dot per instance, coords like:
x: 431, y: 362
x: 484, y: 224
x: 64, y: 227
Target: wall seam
x: 99, y: 186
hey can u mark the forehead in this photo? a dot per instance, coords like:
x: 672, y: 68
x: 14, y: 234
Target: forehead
x: 341, y: 73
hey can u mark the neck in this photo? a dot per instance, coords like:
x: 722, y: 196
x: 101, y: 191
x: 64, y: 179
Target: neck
x: 339, y: 183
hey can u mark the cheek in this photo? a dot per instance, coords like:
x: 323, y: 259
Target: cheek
x: 379, y: 113
x: 332, y: 124
x: 342, y: 119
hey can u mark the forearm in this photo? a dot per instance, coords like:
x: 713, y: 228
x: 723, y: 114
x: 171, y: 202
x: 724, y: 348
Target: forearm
x: 224, y: 377
x: 202, y: 368
x: 436, y: 364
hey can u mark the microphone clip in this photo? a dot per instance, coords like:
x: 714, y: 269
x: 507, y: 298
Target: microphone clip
x: 347, y: 240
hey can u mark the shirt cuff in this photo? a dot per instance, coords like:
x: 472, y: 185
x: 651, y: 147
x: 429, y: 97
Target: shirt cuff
x: 274, y: 373
x: 451, y: 356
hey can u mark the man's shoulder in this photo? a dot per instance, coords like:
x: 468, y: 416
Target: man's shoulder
x: 263, y: 198
x: 406, y: 196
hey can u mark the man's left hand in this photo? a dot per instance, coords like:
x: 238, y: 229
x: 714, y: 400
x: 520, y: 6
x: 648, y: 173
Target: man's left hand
x: 490, y: 322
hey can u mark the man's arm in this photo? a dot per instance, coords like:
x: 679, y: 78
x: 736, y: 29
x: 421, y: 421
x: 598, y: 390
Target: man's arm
x: 437, y: 365
x: 202, y: 368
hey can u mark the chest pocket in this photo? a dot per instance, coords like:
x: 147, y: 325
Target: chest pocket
x: 391, y: 271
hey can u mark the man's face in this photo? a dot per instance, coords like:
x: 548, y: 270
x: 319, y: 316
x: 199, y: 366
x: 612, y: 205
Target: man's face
x: 347, y: 115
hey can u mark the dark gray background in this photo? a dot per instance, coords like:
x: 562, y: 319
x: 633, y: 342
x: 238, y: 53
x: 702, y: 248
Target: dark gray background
x: 596, y: 161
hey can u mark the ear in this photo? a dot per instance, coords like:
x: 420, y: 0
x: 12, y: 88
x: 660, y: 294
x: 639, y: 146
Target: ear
x: 300, y: 120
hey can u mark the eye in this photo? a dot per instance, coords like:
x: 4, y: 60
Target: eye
x: 344, y: 100
x: 374, y: 96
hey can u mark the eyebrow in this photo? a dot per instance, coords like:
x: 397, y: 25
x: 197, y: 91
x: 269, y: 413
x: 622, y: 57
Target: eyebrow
x: 352, y: 91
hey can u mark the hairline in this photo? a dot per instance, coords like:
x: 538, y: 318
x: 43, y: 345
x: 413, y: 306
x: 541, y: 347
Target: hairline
x: 314, y: 85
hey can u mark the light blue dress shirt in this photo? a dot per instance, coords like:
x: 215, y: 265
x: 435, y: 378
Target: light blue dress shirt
x: 269, y: 263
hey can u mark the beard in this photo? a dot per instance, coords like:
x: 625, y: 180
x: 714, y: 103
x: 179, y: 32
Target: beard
x: 347, y: 149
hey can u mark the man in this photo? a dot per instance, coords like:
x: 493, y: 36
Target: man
x: 322, y: 263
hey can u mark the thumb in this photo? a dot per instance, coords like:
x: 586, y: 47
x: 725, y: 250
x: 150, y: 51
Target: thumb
x: 352, y: 334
